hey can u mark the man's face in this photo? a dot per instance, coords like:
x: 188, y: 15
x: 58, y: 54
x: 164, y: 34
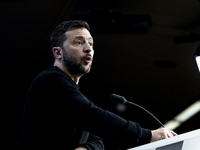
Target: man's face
x: 78, y: 51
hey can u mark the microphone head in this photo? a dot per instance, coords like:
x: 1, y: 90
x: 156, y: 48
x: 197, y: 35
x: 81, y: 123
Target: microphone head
x: 118, y: 98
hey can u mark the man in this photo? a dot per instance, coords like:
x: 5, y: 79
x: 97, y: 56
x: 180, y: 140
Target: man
x: 58, y: 116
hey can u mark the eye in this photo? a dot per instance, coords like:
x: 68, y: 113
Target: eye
x: 78, y: 42
x: 90, y: 43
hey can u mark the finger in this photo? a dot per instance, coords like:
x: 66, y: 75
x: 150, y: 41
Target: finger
x: 173, y: 133
x: 164, y: 136
x: 169, y: 134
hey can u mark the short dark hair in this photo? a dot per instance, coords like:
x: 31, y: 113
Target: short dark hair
x: 58, y: 35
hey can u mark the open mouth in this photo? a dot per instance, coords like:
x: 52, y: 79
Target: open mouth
x: 88, y: 59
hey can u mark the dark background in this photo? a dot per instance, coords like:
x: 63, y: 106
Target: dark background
x: 144, y: 50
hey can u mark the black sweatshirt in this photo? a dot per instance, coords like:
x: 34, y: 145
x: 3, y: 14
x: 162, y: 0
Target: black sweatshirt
x: 57, y: 115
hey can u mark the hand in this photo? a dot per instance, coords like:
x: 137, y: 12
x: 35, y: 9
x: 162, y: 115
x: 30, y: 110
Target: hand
x: 81, y: 148
x: 161, y: 133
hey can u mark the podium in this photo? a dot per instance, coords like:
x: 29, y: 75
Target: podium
x: 185, y: 141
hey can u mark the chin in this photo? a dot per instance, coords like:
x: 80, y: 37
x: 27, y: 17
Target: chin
x: 87, y: 70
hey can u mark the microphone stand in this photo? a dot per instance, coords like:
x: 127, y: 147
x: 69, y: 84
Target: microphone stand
x: 122, y: 100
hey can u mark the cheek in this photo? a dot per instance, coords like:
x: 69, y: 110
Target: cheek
x: 92, y: 53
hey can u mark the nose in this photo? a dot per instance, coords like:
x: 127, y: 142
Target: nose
x: 88, y: 48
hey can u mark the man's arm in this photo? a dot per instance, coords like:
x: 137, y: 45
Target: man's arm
x: 93, y: 142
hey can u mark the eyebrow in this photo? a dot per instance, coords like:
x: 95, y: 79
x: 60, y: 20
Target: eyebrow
x: 82, y: 37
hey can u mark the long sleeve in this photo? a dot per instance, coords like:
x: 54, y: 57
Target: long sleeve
x: 93, y: 142
x: 55, y: 109
x: 98, y: 121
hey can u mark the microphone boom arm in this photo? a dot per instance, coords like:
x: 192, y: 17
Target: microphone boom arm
x: 146, y: 111
x: 122, y: 100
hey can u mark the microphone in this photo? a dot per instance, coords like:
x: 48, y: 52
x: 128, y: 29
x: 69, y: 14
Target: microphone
x: 122, y: 100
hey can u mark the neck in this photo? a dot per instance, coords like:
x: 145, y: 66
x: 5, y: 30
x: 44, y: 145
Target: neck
x: 65, y: 70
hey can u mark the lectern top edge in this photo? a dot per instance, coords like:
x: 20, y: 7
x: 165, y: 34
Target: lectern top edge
x: 175, y: 139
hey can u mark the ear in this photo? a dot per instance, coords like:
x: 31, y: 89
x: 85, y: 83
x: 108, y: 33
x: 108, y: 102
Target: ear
x: 57, y: 52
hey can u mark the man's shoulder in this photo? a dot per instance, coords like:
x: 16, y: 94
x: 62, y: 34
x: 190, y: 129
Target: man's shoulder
x: 53, y: 74
x: 53, y: 71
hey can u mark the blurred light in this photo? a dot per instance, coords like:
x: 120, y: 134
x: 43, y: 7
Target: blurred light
x: 172, y: 124
x: 197, y: 58
x: 189, y: 112
x: 121, y: 107
x: 183, y: 116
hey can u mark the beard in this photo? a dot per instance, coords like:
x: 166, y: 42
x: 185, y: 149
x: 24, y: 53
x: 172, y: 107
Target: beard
x: 73, y: 66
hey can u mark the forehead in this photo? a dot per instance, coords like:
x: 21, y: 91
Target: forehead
x: 77, y: 33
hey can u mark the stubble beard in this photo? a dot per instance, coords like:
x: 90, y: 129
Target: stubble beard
x: 74, y: 67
